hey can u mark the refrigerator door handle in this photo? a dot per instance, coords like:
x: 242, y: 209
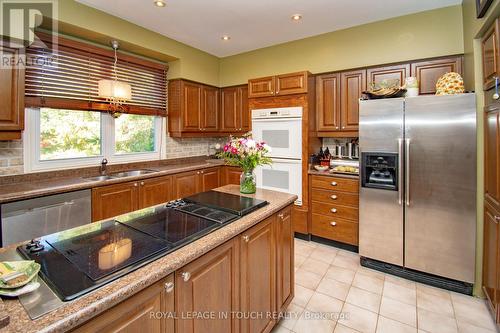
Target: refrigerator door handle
x: 400, y: 171
x: 407, y: 172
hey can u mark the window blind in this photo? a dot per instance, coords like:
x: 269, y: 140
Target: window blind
x: 68, y: 77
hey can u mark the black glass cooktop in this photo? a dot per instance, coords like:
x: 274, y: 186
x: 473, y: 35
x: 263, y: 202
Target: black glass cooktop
x: 234, y: 204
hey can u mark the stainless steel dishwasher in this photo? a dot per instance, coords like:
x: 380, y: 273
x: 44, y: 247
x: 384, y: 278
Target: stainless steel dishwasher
x: 32, y: 218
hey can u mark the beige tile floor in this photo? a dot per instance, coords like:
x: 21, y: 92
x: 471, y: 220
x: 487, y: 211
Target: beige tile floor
x: 333, y: 293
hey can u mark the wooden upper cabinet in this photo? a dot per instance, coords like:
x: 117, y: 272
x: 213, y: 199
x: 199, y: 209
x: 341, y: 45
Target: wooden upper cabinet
x: 192, y: 100
x: 429, y: 72
x: 492, y: 154
x: 246, y: 124
x: 293, y: 83
x: 262, y: 87
x: 134, y: 314
x: 186, y: 184
x: 210, y: 109
x: 328, y: 102
x: 285, y: 258
x: 209, y: 284
x: 230, y: 116
x: 154, y: 191
x: 11, y: 98
x: 378, y: 74
x: 352, y: 84
x: 258, y: 276
x: 490, y: 54
x: 112, y: 200
x: 210, y: 179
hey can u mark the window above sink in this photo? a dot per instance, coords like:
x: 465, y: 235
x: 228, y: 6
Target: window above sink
x: 60, y: 139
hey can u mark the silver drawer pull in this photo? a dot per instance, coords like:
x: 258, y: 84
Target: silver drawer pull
x: 186, y: 276
x: 169, y: 286
x: 334, y: 183
x: 333, y: 224
x: 246, y: 238
x: 333, y: 196
x: 497, y: 218
x: 333, y: 210
x: 280, y: 215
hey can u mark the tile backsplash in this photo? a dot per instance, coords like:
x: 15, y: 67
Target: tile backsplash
x: 11, y: 152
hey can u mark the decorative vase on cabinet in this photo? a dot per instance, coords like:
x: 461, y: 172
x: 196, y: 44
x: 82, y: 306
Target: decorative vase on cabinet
x: 248, y: 182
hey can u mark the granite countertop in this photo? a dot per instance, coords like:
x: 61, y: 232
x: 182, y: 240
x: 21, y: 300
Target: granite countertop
x: 76, y: 312
x: 332, y: 174
x: 55, y: 184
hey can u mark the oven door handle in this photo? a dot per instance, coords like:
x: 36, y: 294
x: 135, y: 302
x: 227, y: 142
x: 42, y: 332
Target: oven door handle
x: 400, y: 171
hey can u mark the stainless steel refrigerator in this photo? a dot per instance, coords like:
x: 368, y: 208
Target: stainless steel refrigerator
x: 418, y: 184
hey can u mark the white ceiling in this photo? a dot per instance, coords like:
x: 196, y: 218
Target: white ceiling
x: 253, y: 24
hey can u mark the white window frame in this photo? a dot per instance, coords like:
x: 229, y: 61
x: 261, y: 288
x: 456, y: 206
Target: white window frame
x: 31, y: 145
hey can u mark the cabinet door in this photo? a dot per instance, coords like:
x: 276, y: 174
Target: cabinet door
x: 489, y: 46
x: 112, y: 200
x: 232, y: 175
x: 285, y: 258
x: 134, y: 314
x: 352, y: 84
x: 11, y: 95
x: 258, y: 276
x: 230, y: 114
x: 191, y: 110
x: 209, y: 115
x: 210, y: 179
x: 429, y: 72
x: 261, y: 87
x: 396, y: 72
x: 490, y: 257
x: 209, y: 285
x: 492, y: 154
x: 328, y: 102
x: 293, y: 83
x: 155, y: 191
x: 244, y: 111
x: 186, y: 184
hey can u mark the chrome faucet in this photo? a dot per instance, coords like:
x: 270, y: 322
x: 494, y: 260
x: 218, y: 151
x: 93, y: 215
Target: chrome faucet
x: 103, y: 169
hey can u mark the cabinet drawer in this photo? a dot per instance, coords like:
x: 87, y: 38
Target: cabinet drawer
x: 334, y: 228
x: 334, y: 183
x: 336, y: 197
x: 344, y: 212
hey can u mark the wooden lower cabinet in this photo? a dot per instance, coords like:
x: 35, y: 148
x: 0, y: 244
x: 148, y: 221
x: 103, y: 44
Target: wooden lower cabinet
x: 143, y: 312
x: 155, y: 191
x: 232, y: 175
x: 284, y: 259
x: 186, y: 184
x: 258, y: 277
x: 491, y: 258
x: 113, y: 200
x: 210, y: 179
x: 209, y: 285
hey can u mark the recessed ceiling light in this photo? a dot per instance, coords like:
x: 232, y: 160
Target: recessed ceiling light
x: 296, y: 17
x: 160, y: 3
x: 225, y: 37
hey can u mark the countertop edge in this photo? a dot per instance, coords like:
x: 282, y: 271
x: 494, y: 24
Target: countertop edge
x: 158, y: 269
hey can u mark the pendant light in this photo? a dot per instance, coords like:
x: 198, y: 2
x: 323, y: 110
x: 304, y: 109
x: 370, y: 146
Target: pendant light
x: 115, y: 92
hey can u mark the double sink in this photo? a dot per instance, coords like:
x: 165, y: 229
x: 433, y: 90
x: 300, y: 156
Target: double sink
x: 124, y: 174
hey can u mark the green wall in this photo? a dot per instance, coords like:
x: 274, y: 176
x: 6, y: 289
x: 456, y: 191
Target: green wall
x: 422, y: 35
x: 191, y: 63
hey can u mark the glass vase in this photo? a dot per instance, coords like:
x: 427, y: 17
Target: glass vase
x: 247, y: 182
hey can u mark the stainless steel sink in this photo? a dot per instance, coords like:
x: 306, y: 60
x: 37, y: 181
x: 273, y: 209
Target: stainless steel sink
x: 98, y: 178
x: 132, y: 173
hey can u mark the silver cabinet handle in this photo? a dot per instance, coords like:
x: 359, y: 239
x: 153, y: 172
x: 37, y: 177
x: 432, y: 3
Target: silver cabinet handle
x: 333, y: 210
x: 333, y: 223
x: 334, y: 183
x: 169, y: 287
x: 333, y: 197
x: 496, y: 95
x: 142, y: 183
x: 246, y: 238
x: 336, y: 127
x: 407, y: 182
x: 135, y: 184
x: 280, y: 215
x: 197, y: 172
x: 400, y: 171
x: 497, y: 219
x: 186, y: 276
x: 201, y: 171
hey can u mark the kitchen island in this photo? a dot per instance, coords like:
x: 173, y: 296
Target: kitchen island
x: 219, y: 274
